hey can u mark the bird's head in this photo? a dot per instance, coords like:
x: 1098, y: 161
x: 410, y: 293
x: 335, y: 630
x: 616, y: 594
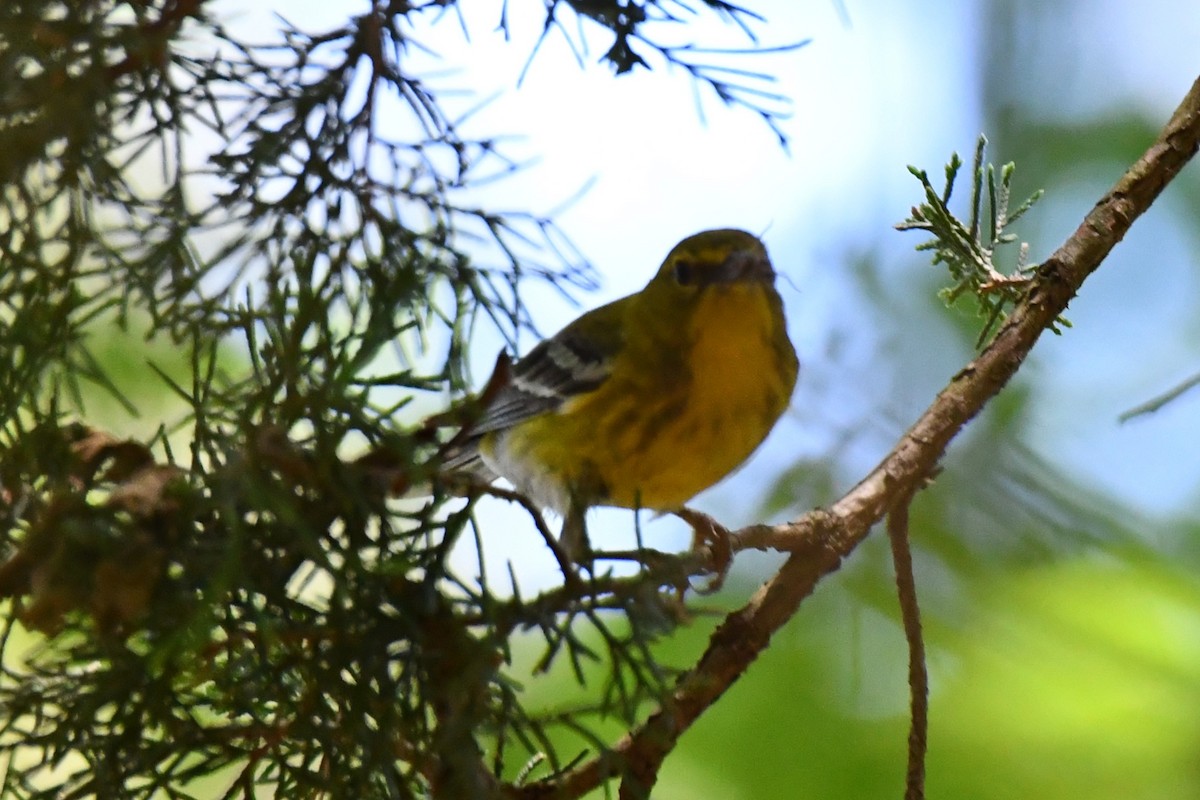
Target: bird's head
x: 725, y: 257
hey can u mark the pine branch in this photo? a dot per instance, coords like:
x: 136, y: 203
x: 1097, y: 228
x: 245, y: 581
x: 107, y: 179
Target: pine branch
x: 969, y: 249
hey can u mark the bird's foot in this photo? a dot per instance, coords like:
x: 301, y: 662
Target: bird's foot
x: 711, y: 539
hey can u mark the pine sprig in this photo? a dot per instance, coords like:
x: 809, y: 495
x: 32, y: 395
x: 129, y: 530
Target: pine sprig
x: 640, y: 31
x: 969, y: 249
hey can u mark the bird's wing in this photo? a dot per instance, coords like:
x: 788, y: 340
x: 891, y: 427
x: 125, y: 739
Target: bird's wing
x: 556, y: 370
x: 576, y: 360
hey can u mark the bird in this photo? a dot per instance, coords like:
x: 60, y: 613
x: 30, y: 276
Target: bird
x: 646, y: 401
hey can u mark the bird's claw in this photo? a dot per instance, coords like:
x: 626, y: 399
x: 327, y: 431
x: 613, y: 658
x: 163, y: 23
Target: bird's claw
x: 716, y: 542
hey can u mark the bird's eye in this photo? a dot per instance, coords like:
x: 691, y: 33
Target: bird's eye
x: 684, y: 272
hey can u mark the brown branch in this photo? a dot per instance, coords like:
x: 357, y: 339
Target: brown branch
x: 918, y: 676
x: 819, y: 540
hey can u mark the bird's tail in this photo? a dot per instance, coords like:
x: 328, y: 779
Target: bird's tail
x: 457, y: 460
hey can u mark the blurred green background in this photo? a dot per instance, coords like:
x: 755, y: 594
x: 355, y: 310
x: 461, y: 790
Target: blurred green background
x: 1057, y: 555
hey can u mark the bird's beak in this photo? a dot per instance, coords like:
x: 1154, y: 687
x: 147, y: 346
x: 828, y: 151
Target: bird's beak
x: 746, y: 266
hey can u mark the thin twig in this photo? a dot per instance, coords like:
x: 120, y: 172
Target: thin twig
x: 918, y: 676
x: 1153, y: 405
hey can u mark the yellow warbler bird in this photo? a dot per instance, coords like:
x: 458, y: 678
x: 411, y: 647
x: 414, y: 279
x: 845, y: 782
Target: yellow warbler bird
x: 649, y: 400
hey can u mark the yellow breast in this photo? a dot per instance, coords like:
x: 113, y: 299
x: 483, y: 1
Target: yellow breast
x: 675, y: 416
